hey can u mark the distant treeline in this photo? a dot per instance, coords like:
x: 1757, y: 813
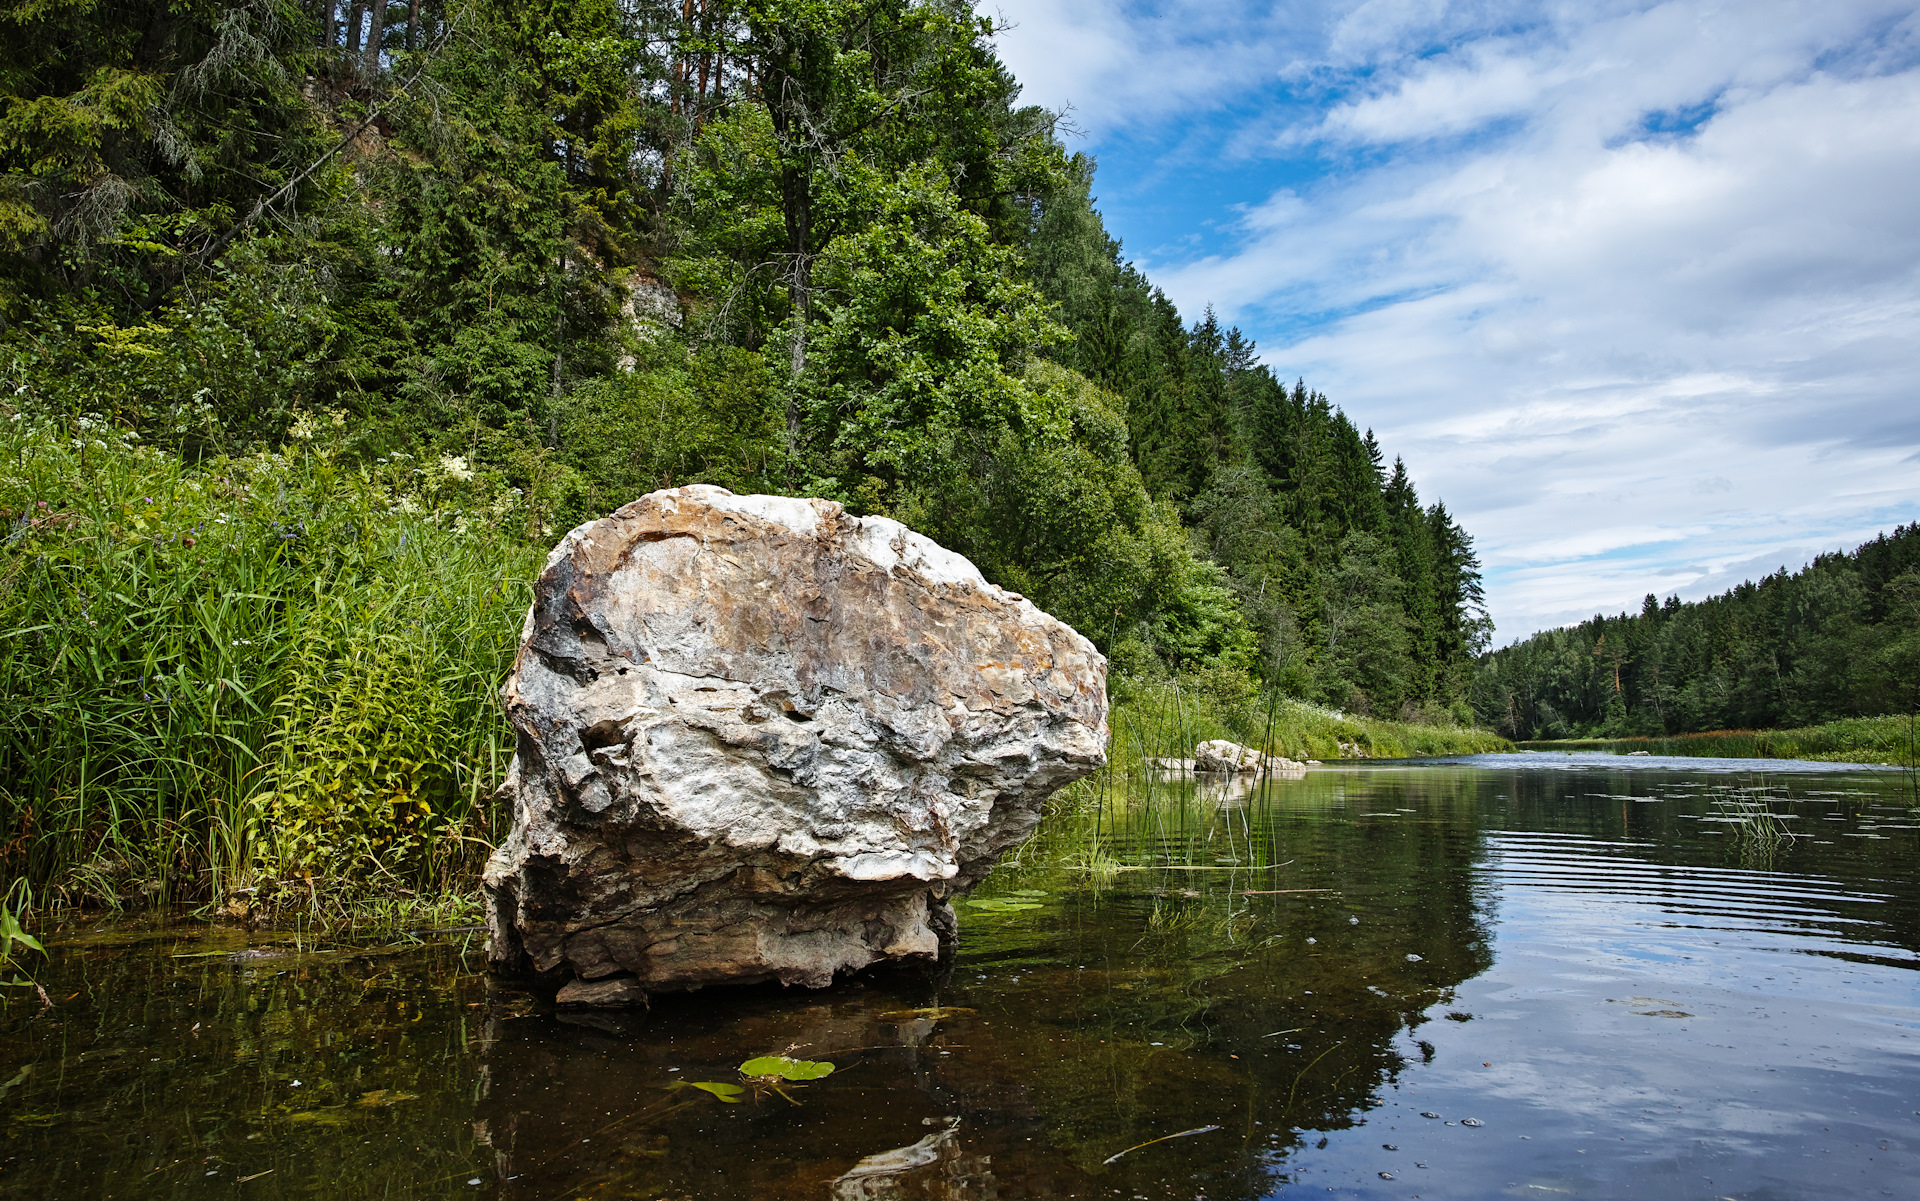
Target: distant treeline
x: 1839, y: 638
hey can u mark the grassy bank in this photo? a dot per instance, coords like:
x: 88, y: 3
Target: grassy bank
x: 1166, y: 719
x: 1888, y: 740
x: 243, y: 678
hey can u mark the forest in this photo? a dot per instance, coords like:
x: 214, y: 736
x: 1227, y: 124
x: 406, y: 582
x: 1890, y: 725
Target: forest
x: 320, y: 320
x: 1839, y: 638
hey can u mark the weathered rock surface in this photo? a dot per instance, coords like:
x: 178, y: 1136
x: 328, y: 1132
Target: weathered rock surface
x: 1217, y: 754
x: 761, y: 739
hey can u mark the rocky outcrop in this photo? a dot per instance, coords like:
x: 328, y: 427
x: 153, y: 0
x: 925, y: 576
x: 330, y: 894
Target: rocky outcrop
x: 1219, y: 755
x: 761, y: 739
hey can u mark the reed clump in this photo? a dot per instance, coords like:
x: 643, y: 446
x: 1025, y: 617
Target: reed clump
x: 250, y: 679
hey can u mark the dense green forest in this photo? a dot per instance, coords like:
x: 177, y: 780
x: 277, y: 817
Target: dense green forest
x: 320, y: 319
x: 1840, y: 638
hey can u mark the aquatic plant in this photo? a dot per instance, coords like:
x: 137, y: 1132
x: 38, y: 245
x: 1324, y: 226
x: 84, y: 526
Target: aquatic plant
x: 1749, y: 814
x: 12, y: 934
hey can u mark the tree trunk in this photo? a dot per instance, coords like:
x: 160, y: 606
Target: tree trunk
x: 353, y: 27
x: 796, y: 195
x: 374, y: 35
x: 413, y: 23
x: 330, y: 27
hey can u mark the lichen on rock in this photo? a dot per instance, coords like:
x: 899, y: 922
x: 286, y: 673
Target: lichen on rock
x: 762, y: 739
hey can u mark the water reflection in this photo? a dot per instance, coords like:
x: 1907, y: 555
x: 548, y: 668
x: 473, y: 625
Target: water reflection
x: 1598, y: 979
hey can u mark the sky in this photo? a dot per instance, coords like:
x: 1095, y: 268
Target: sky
x: 1634, y: 288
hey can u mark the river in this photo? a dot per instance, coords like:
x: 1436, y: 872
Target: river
x: 1518, y: 975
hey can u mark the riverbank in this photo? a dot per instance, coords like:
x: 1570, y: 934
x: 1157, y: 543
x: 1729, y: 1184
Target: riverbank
x: 1168, y: 718
x: 1890, y: 741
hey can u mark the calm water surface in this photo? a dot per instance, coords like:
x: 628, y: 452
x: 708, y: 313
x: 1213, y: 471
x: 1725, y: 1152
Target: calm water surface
x: 1528, y: 975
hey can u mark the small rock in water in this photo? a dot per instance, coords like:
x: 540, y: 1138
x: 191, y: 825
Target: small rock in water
x: 1219, y: 755
x: 1386, y: 1175
x: 1471, y: 1122
x: 1429, y: 1115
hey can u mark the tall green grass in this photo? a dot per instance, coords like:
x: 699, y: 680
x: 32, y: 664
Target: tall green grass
x: 269, y: 675
x: 1889, y: 740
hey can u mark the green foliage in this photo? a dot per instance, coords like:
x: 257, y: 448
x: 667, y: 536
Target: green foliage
x: 674, y: 418
x: 133, y: 134
x: 925, y: 328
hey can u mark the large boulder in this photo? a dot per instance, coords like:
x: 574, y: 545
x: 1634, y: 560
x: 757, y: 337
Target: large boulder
x: 762, y: 739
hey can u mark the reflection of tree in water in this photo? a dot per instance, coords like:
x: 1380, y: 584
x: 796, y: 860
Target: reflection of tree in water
x: 1174, y: 999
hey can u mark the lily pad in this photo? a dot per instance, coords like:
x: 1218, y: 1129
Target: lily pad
x: 786, y: 1068
x: 730, y: 1093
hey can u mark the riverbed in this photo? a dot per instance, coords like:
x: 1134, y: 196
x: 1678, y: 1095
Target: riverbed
x: 1515, y: 975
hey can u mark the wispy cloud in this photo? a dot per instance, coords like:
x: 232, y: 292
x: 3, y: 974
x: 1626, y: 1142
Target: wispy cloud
x: 1634, y: 287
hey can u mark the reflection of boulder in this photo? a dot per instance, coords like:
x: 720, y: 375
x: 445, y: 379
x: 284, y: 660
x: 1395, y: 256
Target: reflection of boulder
x: 1219, y: 755
x: 937, y: 1167
x: 762, y: 739
x: 1223, y: 789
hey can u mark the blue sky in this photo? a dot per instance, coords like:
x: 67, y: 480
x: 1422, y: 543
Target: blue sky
x: 1633, y: 287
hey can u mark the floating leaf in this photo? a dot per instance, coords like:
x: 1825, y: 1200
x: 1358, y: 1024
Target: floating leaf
x: 932, y: 1013
x: 786, y: 1068
x: 730, y: 1093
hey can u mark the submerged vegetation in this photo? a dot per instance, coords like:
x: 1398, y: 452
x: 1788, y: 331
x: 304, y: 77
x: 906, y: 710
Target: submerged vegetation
x: 319, y: 322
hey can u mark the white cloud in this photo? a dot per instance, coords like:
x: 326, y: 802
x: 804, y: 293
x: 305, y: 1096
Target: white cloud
x: 1116, y: 69
x: 1634, y: 288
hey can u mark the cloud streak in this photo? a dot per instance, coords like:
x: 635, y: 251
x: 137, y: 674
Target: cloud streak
x: 1634, y: 287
